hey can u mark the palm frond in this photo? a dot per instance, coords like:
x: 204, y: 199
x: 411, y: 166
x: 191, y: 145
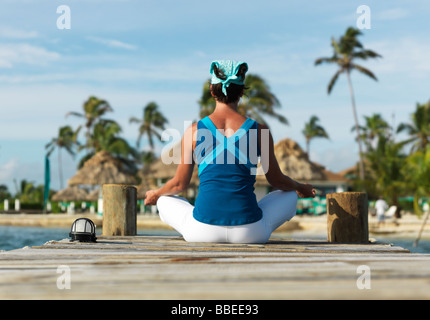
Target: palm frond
x: 333, y: 80
x: 326, y: 60
x: 365, y: 54
x: 77, y: 114
x: 363, y: 70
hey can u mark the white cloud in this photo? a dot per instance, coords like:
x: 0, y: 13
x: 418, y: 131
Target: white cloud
x: 392, y: 14
x: 112, y: 43
x: 11, y: 33
x: 407, y: 56
x: 96, y: 75
x: 37, y: 111
x: 13, y: 54
x: 16, y: 170
x: 8, y: 169
x: 335, y: 158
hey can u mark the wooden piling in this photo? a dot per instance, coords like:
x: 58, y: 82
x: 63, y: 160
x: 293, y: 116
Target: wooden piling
x: 119, y: 210
x: 347, y: 217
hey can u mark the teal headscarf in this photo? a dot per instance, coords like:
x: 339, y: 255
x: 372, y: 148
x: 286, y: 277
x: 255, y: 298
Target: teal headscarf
x: 230, y: 69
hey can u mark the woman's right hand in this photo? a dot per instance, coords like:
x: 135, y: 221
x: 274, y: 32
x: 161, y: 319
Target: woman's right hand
x: 151, y: 197
x: 305, y: 191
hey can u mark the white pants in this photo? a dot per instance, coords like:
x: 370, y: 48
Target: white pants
x: 277, y: 207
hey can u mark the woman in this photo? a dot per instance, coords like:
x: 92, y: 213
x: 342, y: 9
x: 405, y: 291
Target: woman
x: 226, y: 209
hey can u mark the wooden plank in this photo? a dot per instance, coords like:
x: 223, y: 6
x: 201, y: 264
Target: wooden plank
x: 150, y: 267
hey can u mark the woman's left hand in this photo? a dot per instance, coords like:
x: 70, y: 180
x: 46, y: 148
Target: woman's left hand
x: 151, y: 197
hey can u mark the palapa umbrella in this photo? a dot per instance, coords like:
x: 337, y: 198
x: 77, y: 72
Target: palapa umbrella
x: 101, y: 169
x: 71, y: 193
x: 93, y: 195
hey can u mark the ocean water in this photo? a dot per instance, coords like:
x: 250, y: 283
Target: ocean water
x: 406, y: 242
x: 12, y: 237
x: 423, y: 245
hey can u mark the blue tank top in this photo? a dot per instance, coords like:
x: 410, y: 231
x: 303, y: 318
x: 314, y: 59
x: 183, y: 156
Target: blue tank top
x: 227, y: 174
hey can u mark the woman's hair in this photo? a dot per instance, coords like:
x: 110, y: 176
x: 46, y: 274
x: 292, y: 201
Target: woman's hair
x: 234, y: 91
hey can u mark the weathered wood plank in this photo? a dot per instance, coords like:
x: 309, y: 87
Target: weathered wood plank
x: 150, y: 267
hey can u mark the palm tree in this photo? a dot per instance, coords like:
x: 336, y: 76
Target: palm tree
x: 94, y: 109
x: 105, y: 134
x: 4, y: 192
x: 105, y: 137
x: 257, y: 101
x: 346, y: 50
x: 374, y: 128
x: 67, y: 139
x: 313, y: 130
x: 152, y: 121
x: 419, y: 128
x: 417, y: 171
x: 386, y: 162
x: 28, y: 192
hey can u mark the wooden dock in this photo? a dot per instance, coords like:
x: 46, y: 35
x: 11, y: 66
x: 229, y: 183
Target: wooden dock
x: 156, y: 267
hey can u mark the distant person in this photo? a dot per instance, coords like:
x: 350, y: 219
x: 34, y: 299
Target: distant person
x: 381, y: 206
x: 426, y: 207
x: 226, y: 209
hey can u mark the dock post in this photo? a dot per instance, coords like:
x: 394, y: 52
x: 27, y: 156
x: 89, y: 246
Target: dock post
x: 347, y: 217
x: 119, y: 210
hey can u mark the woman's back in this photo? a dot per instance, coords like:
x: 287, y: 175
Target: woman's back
x: 226, y: 177
x: 227, y: 120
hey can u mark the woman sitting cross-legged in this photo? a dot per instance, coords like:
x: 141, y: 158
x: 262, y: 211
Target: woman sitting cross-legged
x: 226, y: 146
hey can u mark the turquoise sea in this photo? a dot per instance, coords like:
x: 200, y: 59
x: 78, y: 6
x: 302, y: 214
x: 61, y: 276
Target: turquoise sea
x: 12, y: 237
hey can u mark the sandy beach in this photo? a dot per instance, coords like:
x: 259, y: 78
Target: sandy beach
x: 408, y: 226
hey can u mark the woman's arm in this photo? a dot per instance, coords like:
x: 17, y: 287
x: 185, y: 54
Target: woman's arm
x: 183, y: 174
x: 274, y: 174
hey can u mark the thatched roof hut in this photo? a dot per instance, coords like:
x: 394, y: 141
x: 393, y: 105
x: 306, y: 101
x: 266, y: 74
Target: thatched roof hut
x: 93, y: 195
x: 71, y: 193
x: 101, y: 169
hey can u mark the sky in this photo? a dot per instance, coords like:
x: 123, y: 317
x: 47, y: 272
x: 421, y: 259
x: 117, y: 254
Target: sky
x: 132, y: 52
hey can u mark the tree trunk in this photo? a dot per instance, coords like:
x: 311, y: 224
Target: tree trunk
x: 357, y: 128
x: 307, y: 147
x: 60, y: 168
